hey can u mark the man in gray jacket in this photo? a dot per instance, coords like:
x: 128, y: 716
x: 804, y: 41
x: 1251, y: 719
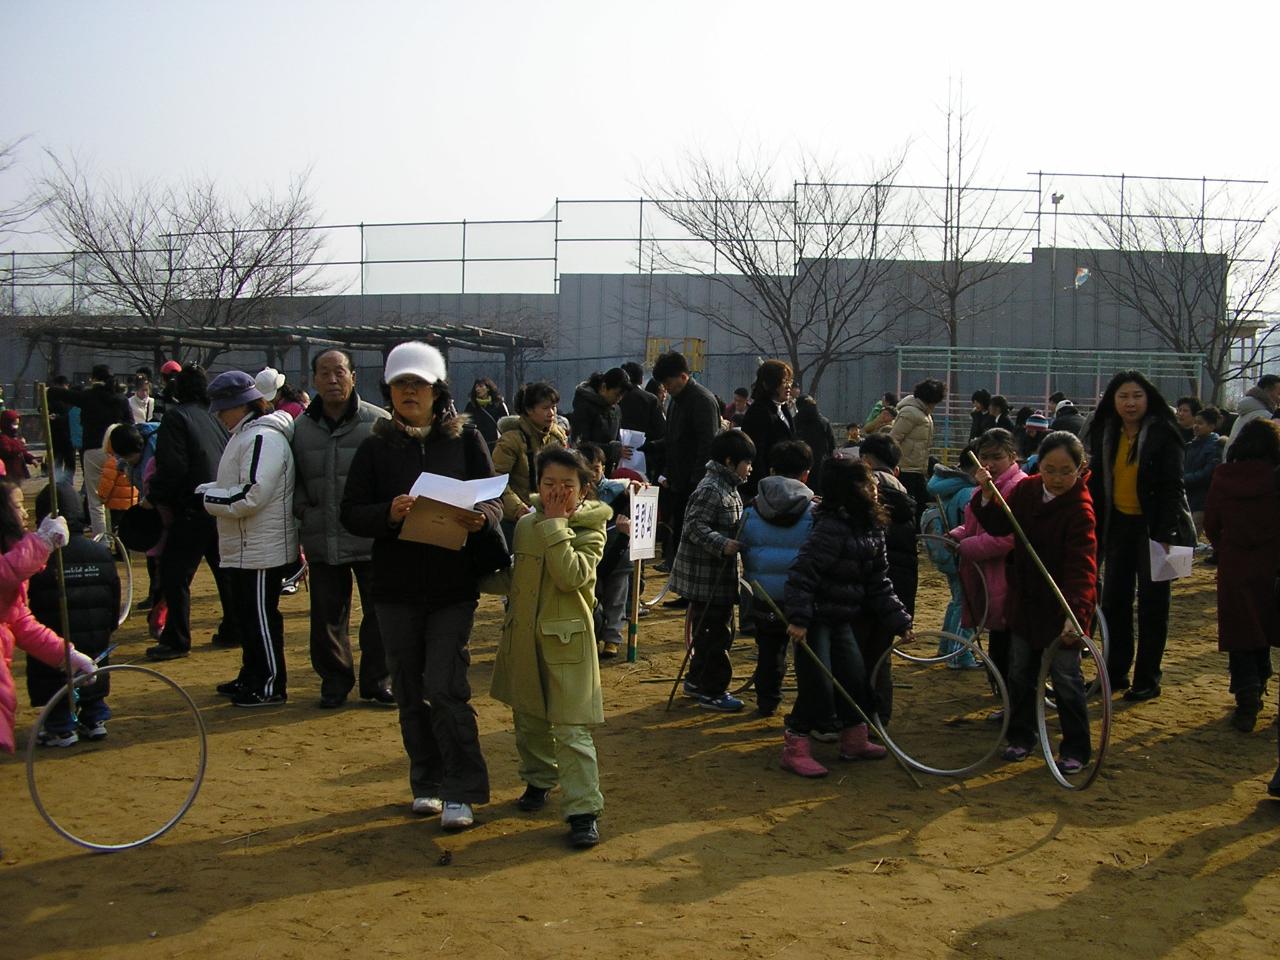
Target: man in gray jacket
x: 325, y: 439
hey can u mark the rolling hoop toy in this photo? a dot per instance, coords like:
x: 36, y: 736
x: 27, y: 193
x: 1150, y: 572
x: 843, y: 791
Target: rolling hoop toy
x: 1046, y: 658
x: 121, y: 555
x: 954, y: 547
x: 73, y: 682
x: 32, y: 753
x: 1102, y: 683
x: 872, y: 722
x: 896, y: 649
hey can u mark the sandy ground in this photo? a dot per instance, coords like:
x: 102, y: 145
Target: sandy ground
x: 301, y: 843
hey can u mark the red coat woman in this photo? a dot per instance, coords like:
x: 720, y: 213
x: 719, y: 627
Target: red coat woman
x: 1242, y: 520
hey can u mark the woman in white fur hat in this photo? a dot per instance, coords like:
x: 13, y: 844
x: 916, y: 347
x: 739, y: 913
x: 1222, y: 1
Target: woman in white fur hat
x: 425, y: 595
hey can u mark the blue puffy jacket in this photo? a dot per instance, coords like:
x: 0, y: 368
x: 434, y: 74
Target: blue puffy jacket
x: 774, y: 527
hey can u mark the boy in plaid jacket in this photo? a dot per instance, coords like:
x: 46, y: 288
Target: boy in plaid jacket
x: 706, y: 569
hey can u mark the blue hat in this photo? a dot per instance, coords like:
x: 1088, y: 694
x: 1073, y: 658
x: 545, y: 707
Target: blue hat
x: 1038, y: 421
x: 232, y: 389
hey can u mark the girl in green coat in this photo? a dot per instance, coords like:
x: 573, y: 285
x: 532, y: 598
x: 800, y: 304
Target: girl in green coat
x: 546, y: 668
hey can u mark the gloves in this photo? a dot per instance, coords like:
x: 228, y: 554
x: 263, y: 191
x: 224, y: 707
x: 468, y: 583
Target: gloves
x: 82, y: 664
x: 200, y: 490
x: 54, y: 532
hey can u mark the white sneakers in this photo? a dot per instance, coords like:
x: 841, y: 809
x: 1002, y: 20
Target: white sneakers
x: 456, y: 816
x: 453, y: 816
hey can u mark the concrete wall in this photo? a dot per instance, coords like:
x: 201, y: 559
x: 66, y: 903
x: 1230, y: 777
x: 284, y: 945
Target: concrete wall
x: 601, y: 320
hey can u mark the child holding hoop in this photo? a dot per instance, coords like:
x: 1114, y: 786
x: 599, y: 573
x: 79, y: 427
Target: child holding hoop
x: 25, y: 554
x: 839, y: 586
x: 1055, y: 511
x: 997, y: 452
x: 546, y: 668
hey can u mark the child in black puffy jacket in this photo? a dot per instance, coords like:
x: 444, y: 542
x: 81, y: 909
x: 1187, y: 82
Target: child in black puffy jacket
x: 93, y: 606
x: 839, y: 586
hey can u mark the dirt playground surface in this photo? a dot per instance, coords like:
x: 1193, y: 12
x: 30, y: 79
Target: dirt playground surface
x: 301, y: 843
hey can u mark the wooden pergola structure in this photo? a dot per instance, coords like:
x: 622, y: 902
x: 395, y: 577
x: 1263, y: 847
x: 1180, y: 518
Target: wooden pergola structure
x: 278, y: 338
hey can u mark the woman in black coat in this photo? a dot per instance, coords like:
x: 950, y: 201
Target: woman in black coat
x: 425, y: 595
x: 768, y: 420
x: 596, y: 415
x: 1136, y: 483
x: 486, y: 407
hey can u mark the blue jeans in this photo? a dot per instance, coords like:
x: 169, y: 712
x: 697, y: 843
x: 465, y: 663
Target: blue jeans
x: 837, y: 648
x: 1068, y: 692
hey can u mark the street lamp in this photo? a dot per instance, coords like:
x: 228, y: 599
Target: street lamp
x: 1055, y: 199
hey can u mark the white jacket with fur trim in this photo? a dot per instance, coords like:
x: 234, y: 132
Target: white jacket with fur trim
x: 252, y: 497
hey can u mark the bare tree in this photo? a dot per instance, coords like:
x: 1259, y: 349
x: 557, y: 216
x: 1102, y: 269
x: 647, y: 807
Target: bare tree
x: 966, y: 236
x: 1200, y: 272
x: 812, y: 260
x: 239, y: 258
x: 12, y: 217
x: 181, y: 255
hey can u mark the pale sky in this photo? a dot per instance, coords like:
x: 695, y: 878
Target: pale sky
x: 434, y: 111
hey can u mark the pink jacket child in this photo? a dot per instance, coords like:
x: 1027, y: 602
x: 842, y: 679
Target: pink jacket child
x: 17, y: 625
x: 986, y: 553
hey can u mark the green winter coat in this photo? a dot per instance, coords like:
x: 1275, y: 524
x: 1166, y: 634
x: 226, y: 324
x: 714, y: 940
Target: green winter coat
x: 546, y: 664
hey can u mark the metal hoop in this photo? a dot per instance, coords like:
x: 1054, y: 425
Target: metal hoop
x: 1104, y: 734
x: 952, y: 545
x: 992, y: 673
x: 114, y: 543
x: 1104, y: 644
x: 182, y: 810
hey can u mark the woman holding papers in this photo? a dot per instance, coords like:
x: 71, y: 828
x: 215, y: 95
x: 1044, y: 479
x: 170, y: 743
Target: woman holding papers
x: 425, y: 595
x: 1136, y: 483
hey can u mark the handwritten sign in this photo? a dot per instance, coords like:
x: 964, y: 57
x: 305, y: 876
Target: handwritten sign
x: 644, y: 523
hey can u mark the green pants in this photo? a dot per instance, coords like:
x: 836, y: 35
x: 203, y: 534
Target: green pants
x: 562, y: 753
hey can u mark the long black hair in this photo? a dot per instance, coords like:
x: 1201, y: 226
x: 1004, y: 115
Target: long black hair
x: 845, y: 483
x: 615, y: 378
x: 1157, y: 405
x: 191, y: 385
x: 489, y: 385
x: 11, y: 528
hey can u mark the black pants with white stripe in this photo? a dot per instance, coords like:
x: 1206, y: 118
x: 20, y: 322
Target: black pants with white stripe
x: 257, y: 605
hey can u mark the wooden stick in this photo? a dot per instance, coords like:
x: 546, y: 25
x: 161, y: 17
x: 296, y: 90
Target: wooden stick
x: 1035, y: 557
x: 42, y: 395
x: 633, y: 628
x: 839, y: 687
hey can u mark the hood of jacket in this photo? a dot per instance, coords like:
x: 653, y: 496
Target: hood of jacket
x: 519, y: 423
x: 590, y: 513
x: 1255, y: 399
x: 724, y: 473
x: 916, y: 405
x: 1244, y: 480
x: 946, y: 482
x: 782, y: 500
x: 278, y: 420
x: 583, y: 395
x: 449, y: 427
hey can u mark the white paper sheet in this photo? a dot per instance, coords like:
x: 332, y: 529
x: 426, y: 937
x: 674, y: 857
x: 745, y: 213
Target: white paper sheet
x: 462, y: 494
x: 635, y: 440
x: 644, y: 523
x: 1172, y: 565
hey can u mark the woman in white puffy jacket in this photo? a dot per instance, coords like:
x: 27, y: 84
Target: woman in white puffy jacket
x: 252, y: 500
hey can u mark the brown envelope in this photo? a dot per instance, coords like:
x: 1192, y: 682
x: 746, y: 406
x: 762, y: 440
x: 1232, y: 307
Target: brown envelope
x: 430, y: 521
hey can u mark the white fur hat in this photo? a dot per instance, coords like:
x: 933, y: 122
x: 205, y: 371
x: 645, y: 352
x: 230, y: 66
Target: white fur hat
x: 415, y: 359
x: 269, y: 382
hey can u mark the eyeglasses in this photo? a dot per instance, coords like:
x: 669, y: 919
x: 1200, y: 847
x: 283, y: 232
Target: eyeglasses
x: 1062, y: 474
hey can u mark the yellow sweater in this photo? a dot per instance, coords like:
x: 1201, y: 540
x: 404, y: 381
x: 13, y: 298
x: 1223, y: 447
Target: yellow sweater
x: 1124, y: 491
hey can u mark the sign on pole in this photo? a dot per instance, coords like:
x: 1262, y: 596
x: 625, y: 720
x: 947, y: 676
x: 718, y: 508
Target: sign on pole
x: 644, y: 523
